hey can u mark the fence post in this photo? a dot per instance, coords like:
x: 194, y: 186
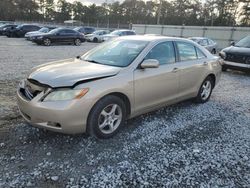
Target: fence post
x: 145, y: 29
x: 182, y: 29
x: 204, y: 31
x: 162, y: 28
x: 231, y: 35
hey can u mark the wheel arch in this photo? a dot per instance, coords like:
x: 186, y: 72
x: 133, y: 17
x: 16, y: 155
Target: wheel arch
x: 213, y: 77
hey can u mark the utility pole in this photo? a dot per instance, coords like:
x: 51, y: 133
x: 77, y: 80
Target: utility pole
x: 159, y: 13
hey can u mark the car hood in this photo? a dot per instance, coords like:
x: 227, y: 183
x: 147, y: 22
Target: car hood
x: 110, y: 35
x: 33, y: 32
x: 237, y: 50
x: 89, y: 35
x: 67, y: 73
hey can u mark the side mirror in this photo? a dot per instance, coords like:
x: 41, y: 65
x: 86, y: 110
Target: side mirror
x: 150, y: 63
x: 232, y: 43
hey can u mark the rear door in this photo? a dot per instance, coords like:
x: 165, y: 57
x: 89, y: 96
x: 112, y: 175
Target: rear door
x: 192, y: 66
x: 155, y: 86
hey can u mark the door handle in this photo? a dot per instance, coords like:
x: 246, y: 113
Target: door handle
x: 175, y: 69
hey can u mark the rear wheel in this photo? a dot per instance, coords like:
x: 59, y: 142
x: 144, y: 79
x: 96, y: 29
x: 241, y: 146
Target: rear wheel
x: 205, y: 90
x: 77, y: 42
x: 47, y: 42
x: 106, y: 117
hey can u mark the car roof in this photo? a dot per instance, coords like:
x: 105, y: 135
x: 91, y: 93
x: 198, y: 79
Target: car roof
x: 152, y: 38
x: 198, y: 38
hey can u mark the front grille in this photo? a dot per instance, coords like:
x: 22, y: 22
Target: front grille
x: 237, y: 58
x: 31, y: 90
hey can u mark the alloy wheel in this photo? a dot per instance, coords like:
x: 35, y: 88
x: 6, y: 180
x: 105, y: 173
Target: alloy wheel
x: 47, y: 42
x: 110, y: 118
x: 206, y: 90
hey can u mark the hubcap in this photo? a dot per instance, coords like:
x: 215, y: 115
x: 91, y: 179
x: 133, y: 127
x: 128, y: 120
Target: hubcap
x: 78, y: 42
x: 47, y: 42
x: 206, y: 90
x: 110, y: 118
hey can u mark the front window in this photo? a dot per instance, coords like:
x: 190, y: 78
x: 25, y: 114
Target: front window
x: 119, y: 53
x: 163, y: 52
x: 245, y: 42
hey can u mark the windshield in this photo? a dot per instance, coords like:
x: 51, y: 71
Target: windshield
x: 53, y: 31
x: 44, y: 30
x: 77, y: 28
x: 97, y: 32
x: 118, y: 53
x: 115, y: 33
x: 245, y: 42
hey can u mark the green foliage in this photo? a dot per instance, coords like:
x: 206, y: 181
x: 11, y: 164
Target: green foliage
x: 171, y: 12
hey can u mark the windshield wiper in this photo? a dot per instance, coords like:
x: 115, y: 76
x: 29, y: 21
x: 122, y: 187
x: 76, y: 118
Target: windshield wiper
x: 92, y: 61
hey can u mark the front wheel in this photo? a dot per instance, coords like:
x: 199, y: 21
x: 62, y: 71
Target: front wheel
x: 106, y: 117
x: 95, y: 40
x: 77, y: 42
x: 205, y: 90
x: 47, y: 42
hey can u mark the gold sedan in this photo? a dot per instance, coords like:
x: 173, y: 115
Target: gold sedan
x: 117, y: 80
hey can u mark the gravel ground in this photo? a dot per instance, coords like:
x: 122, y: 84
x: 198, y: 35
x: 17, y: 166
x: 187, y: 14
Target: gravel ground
x: 184, y: 145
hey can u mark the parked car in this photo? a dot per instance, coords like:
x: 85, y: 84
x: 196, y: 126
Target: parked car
x: 32, y: 34
x: 237, y: 56
x: 60, y: 35
x: 6, y: 22
x: 115, y: 81
x: 21, y: 30
x: 5, y: 26
x: 96, y: 36
x: 118, y: 33
x: 209, y: 44
x: 85, y: 30
x: 6, y: 31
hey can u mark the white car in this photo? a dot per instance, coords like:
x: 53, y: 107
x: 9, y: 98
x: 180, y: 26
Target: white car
x: 118, y: 33
x: 96, y: 36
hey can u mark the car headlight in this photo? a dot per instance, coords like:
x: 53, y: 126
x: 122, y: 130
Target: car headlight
x: 65, y: 94
x: 41, y: 37
x: 222, y: 55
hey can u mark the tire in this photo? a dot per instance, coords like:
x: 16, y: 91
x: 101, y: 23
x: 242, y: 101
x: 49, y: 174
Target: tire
x: 77, y: 42
x: 46, y: 42
x: 106, y: 117
x: 224, y: 69
x: 95, y: 40
x: 213, y: 51
x: 205, y: 90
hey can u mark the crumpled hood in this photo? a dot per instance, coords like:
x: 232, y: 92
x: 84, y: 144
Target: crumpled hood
x: 68, y: 72
x: 237, y: 50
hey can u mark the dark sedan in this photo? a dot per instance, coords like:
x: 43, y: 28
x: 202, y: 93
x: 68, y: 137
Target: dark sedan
x: 60, y: 35
x: 85, y: 30
x: 21, y: 30
x: 4, y: 27
x: 237, y: 56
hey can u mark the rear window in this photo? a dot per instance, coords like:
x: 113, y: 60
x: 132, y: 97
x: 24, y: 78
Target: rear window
x: 186, y: 51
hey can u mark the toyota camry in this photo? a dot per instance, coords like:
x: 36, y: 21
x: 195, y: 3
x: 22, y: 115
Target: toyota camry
x: 120, y: 79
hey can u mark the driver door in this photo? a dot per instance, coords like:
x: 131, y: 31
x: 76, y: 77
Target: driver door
x: 155, y: 87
